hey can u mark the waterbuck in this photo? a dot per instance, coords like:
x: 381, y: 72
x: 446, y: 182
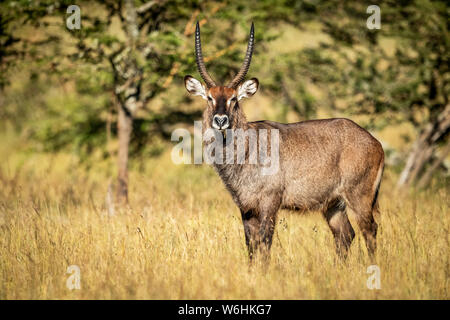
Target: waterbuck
x: 324, y: 165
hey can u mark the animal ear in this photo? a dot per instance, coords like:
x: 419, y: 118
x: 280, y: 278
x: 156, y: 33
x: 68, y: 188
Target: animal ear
x: 195, y: 87
x: 247, y: 89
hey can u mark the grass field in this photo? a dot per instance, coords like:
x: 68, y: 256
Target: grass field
x: 182, y: 238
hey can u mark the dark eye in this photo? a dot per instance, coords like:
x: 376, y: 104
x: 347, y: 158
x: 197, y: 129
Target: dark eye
x: 233, y: 99
x: 210, y: 99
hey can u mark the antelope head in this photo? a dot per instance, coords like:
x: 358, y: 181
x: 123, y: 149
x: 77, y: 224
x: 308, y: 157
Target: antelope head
x: 222, y: 101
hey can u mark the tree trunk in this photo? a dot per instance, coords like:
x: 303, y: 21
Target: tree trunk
x: 426, y: 177
x: 129, y: 102
x: 418, y: 157
x: 424, y: 149
x: 125, y: 126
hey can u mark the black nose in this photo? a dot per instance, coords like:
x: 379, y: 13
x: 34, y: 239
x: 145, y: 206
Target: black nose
x: 221, y: 121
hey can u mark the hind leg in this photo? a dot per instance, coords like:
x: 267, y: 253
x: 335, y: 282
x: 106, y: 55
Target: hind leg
x: 340, y: 226
x: 369, y: 229
x: 364, y: 209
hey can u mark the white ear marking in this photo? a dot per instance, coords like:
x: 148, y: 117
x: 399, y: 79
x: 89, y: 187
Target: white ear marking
x: 247, y: 89
x: 195, y: 87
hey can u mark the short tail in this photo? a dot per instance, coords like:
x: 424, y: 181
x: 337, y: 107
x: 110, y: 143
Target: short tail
x: 377, y: 185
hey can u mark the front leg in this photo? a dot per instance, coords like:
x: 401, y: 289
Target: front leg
x: 259, y: 226
x: 251, y: 222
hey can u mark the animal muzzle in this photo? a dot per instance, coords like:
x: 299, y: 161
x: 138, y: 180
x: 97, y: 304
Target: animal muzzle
x: 220, y: 122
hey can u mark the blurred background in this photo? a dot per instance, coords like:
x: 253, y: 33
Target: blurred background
x: 87, y: 179
x: 114, y: 87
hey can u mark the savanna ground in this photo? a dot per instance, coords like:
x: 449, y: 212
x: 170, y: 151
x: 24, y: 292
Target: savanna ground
x: 182, y: 238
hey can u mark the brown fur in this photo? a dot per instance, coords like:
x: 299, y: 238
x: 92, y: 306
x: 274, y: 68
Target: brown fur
x: 325, y: 165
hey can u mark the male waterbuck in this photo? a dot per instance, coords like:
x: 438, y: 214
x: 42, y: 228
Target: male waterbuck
x: 324, y: 165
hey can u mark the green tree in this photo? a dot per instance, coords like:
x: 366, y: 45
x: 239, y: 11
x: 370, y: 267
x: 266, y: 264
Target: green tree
x: 411, y: 84
x: 129, y: 52
x: 131, y: 55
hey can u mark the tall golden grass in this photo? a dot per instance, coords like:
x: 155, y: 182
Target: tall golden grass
x: 182, y: 238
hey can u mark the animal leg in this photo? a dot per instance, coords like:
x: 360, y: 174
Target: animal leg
x: 259, y: 226
x: 251, y: 230
x: 365, y: 206
x: 340, y: 226
x: 369, y: 229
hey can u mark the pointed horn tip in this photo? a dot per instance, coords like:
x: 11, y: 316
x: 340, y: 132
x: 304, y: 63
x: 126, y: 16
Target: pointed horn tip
x: 197, y: 27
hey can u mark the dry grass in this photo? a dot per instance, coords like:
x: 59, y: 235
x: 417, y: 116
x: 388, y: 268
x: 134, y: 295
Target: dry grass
x: 182, y: 238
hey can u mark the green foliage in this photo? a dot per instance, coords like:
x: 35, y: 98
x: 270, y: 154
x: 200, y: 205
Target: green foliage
x: 414, y: 76
x: 396, y: 74
x: 67, y: 126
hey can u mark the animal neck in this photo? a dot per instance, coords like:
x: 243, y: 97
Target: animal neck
x: 239, y: 119
x: 229, y: 173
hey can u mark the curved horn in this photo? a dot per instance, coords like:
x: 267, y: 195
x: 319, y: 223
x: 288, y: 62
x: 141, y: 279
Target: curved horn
x: 199, y: 59
x: 248, y: 58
